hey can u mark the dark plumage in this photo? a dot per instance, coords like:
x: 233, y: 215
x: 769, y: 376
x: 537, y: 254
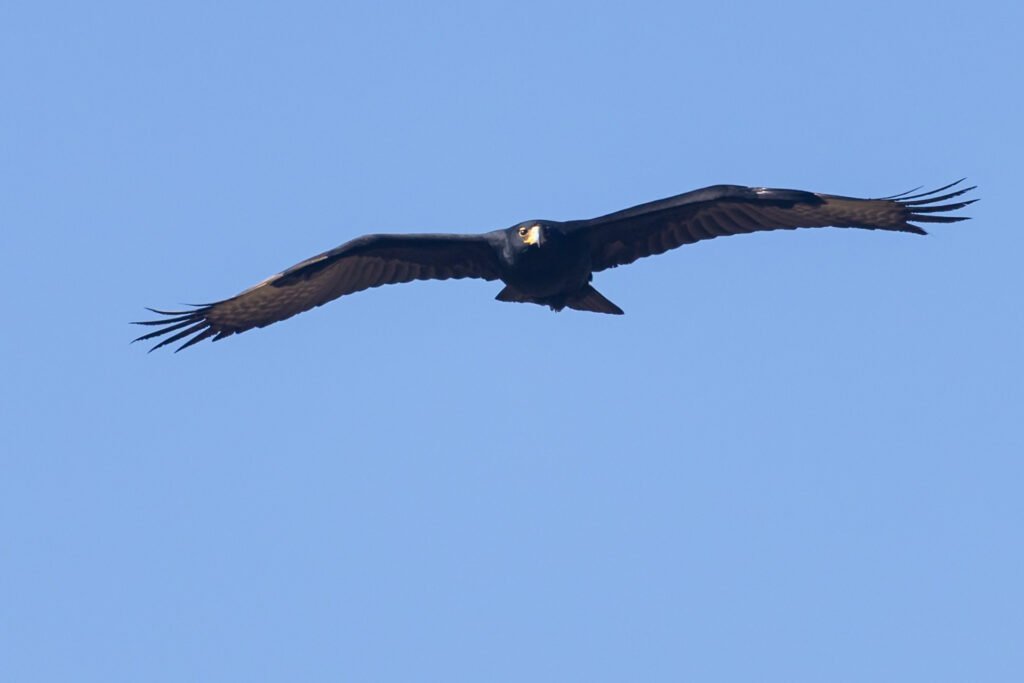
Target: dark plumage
x: 548, y: 262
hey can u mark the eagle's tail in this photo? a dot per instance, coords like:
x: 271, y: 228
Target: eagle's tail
x: 589, y: 299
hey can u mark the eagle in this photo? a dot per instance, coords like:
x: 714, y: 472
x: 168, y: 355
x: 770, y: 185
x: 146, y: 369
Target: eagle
x: 550, y: 263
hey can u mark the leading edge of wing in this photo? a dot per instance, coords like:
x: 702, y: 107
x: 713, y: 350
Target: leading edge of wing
x: 387, y: 245
x: 704, y: 194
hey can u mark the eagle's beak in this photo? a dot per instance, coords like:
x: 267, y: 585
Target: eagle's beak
x: 533, y: 237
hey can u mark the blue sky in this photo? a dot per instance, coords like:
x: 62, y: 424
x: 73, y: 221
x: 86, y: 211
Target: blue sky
x: 796, y: 457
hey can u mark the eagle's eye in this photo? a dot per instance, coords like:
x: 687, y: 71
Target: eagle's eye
x: 523, y: 231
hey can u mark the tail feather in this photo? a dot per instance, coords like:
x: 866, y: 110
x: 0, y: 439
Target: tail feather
x: 589, y: 299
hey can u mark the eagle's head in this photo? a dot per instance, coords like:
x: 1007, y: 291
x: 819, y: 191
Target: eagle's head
x: 530, y: 234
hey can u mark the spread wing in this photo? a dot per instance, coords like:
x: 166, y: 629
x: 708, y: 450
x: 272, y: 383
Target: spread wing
x: 365, y: 262
x: 648, y: 229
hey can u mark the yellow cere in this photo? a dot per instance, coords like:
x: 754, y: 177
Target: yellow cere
x: 532, y: 235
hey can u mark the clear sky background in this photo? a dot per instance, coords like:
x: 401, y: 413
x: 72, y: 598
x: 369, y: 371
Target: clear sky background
x: 797, y: 457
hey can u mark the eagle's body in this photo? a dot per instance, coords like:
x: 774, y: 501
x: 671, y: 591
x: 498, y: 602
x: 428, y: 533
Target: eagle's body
x: 544, y: 262
x: 556, y: 273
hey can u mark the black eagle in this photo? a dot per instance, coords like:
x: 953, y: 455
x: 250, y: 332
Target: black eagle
x: 548, y: 262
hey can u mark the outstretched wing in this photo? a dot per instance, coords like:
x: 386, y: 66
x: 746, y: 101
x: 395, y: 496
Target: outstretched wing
x: 365, y: 262
x: 625, y: 236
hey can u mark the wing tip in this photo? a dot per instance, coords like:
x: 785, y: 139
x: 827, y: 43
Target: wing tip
x: 924, y: 207
x: 195, y: 323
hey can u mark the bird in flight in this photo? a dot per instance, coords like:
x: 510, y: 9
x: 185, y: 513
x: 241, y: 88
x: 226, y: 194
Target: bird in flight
x: 544, y: 262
